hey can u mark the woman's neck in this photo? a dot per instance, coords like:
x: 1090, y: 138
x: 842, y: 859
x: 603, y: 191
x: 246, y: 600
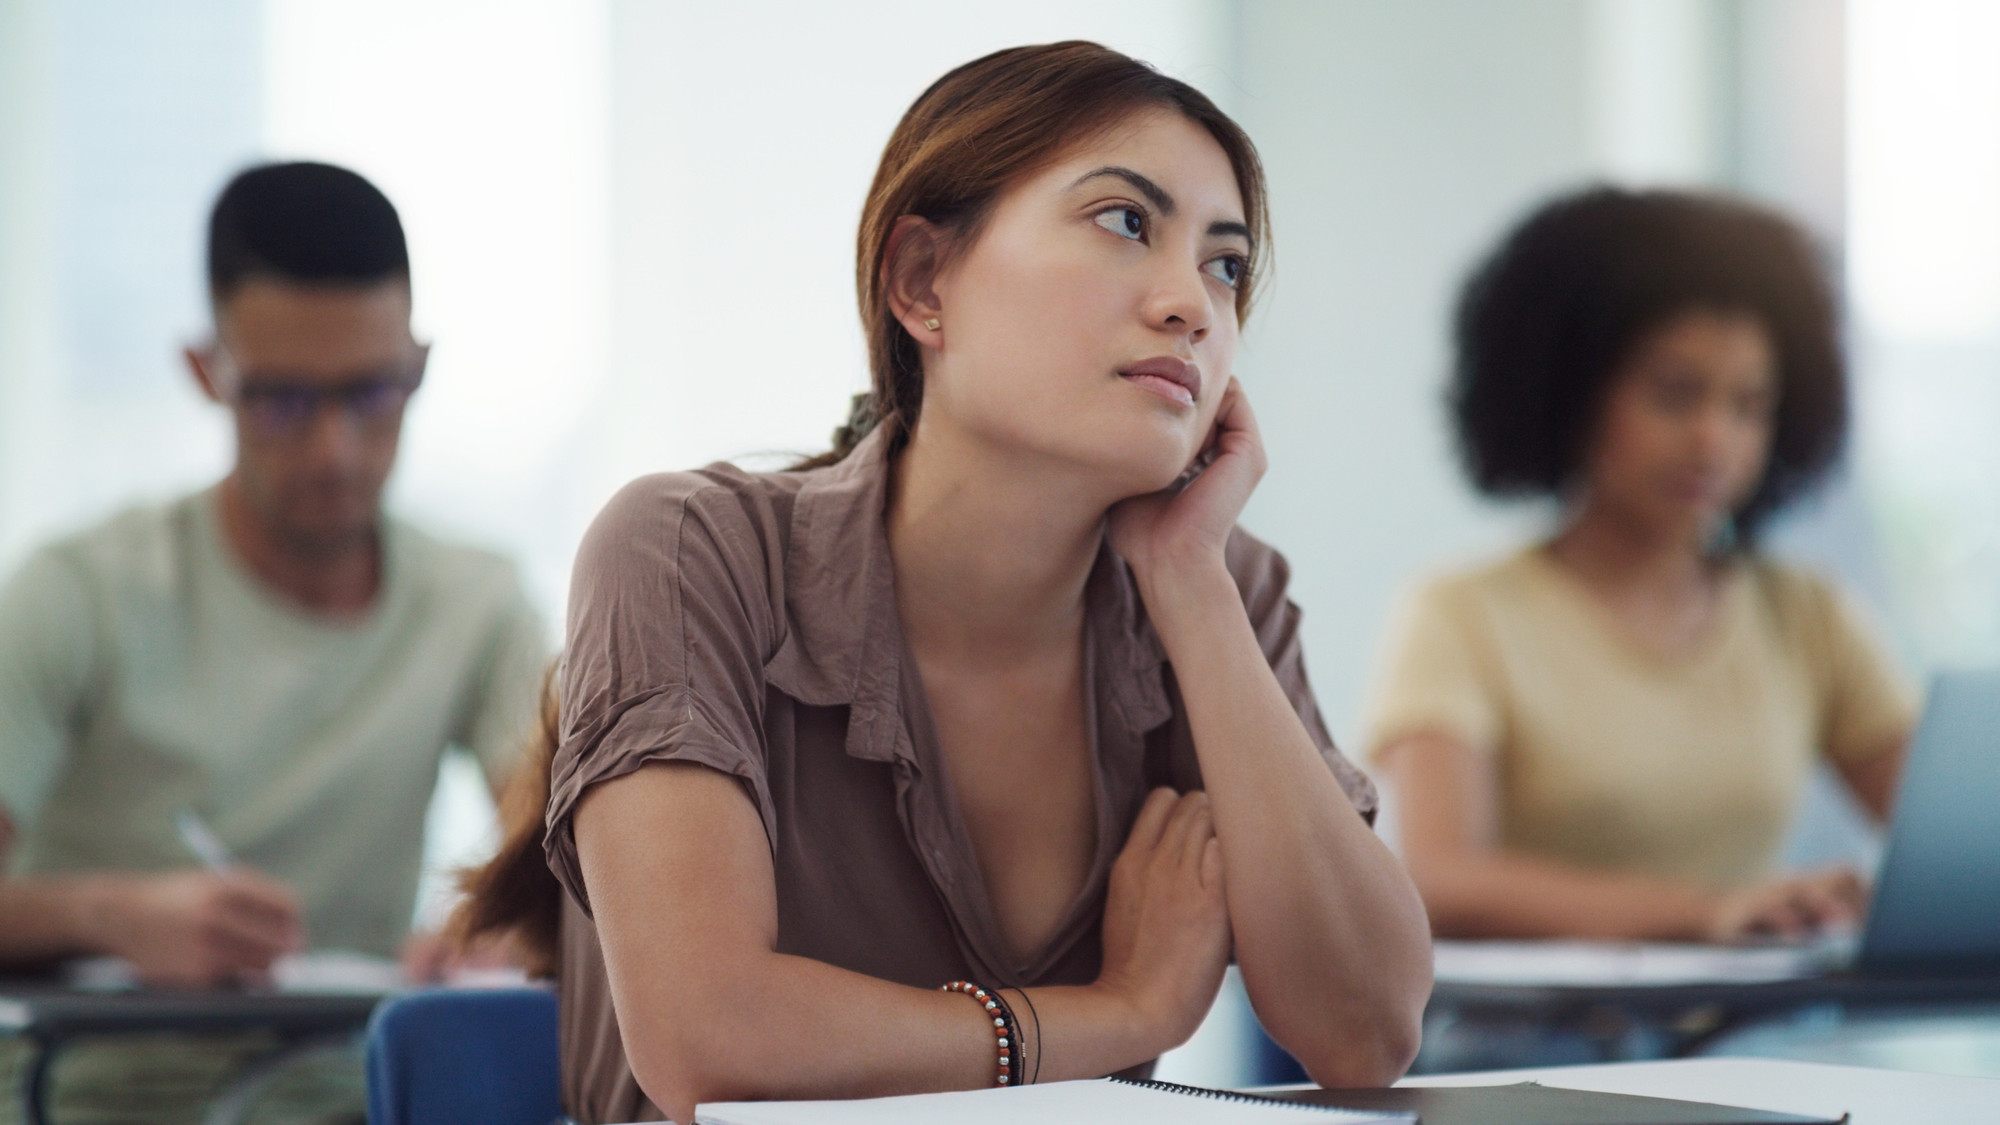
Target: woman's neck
x: 1622, y: 555
x: 992, y: 551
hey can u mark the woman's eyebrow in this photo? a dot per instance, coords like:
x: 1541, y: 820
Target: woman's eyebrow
x: 1223, y: 228
x: 1154, y: 193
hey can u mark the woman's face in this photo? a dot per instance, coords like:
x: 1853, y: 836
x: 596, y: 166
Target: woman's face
x: 1686, y: 424
x: 1092, y: 320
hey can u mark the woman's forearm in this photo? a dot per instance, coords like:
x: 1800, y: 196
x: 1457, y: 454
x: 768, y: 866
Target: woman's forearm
x: 686, y: 914
x: 792, y: 1027
x: 1330, y: 933
x: 1494, y: 894
x: 1474, y: 887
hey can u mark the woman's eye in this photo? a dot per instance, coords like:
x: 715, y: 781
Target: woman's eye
x: 1125, y: 222
x: 1227, y: 269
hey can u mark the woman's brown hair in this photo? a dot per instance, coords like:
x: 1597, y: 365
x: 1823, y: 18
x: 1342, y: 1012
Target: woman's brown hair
x: 969, y: 137
x: 962, y: 143
x: 515, y: 897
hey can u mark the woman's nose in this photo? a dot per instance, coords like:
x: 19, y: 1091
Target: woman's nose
x: 1179, y: 303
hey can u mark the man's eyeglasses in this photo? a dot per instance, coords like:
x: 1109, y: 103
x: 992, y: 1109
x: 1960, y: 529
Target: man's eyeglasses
x: 277, y: 407
x: 281, y: 406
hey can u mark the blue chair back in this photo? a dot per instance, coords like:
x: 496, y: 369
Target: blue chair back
x: 464, y: 1057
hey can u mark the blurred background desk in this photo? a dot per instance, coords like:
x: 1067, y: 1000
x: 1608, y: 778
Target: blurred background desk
x: 50, y: 1015
x: 1587, y: 1004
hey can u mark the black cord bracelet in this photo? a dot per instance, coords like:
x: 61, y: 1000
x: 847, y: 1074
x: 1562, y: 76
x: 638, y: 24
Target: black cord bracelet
x: 1036, y: 1076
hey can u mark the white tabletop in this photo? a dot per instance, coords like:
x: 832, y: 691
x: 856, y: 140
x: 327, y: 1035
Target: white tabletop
x: 1872, y: 1097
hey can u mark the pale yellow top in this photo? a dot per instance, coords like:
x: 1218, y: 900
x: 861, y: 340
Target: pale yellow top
x: 1611, y: 757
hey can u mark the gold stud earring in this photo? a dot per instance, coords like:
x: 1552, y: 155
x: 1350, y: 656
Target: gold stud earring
x: 931, y: 324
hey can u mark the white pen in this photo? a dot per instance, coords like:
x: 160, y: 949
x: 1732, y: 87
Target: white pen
x: 202, y: 842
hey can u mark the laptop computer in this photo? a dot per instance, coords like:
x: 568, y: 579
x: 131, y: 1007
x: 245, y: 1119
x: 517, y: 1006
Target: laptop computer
x: 1936, y: 906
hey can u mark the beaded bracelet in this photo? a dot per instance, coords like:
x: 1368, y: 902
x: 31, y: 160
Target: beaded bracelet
x: 1006, y: 1032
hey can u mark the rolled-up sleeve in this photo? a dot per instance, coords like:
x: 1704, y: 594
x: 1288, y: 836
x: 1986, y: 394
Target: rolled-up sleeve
x: 670, y: 622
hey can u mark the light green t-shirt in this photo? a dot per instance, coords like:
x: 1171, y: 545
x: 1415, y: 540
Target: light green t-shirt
x: 144, y: 670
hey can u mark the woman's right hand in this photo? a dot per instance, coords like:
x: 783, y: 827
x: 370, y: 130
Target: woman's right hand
x: 1166, y: 923
x: 1793, y: 906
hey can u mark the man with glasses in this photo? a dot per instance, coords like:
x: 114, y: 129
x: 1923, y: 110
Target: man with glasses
x: 221, y: 719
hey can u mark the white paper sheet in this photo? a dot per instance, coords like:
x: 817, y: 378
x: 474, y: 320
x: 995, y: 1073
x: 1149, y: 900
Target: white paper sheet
x: 318, y: 970
x: 1091, y: 1102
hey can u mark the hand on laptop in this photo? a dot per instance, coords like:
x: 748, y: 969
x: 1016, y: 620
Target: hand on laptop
x: 196, y: 929
x: 1792, y: 906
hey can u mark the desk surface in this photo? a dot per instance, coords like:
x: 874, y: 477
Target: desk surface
x: 1744, y: 998
x: 50, y: 1015
x: 1873, y: 1097
x: 49, y: 1011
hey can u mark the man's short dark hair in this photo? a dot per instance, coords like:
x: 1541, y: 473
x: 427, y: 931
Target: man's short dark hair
x: 1545, y: 321
x: 305, y: 223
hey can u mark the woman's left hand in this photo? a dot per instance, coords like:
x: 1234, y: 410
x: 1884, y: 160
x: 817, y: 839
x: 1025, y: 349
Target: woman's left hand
x: 1164, y: 531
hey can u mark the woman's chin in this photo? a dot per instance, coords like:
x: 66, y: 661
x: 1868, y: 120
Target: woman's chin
x: 1697, y: 526
x: 1155, y: 456
x: 1123, y: 456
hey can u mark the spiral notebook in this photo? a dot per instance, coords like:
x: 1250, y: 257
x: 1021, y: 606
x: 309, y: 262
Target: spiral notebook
x: 1112, y: 1101
x: 1102, y: 1101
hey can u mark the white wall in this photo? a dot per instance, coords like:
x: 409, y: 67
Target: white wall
x: 1924, y: 208
x: 119, y: 119
x: 1400, y: 139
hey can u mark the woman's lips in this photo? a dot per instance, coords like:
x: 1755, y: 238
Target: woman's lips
x: 1172, y: 378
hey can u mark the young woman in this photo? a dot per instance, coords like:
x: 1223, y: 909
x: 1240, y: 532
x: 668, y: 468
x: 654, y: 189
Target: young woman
x: 1606, y: 735
x: 996, y: 692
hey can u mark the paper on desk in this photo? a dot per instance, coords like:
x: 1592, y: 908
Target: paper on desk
x: 335, y: 970
x: 318, y: 970
x: 1585, y: 964
x: 1088, y: 1102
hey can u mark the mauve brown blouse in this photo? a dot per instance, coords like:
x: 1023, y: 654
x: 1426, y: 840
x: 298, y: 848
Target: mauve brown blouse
x: 747, y: 621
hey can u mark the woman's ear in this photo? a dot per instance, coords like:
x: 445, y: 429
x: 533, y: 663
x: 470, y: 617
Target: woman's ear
x: 910, y: 267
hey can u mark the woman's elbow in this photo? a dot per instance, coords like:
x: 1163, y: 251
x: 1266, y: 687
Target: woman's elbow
x: 1372, y: 1035
x: 680, y: 1072
x: 1375, y: 1054
x: 672, y: 1085
x: 1379, y: 1061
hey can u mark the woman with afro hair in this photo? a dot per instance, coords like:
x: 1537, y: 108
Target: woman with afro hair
x: 1606, y: 734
